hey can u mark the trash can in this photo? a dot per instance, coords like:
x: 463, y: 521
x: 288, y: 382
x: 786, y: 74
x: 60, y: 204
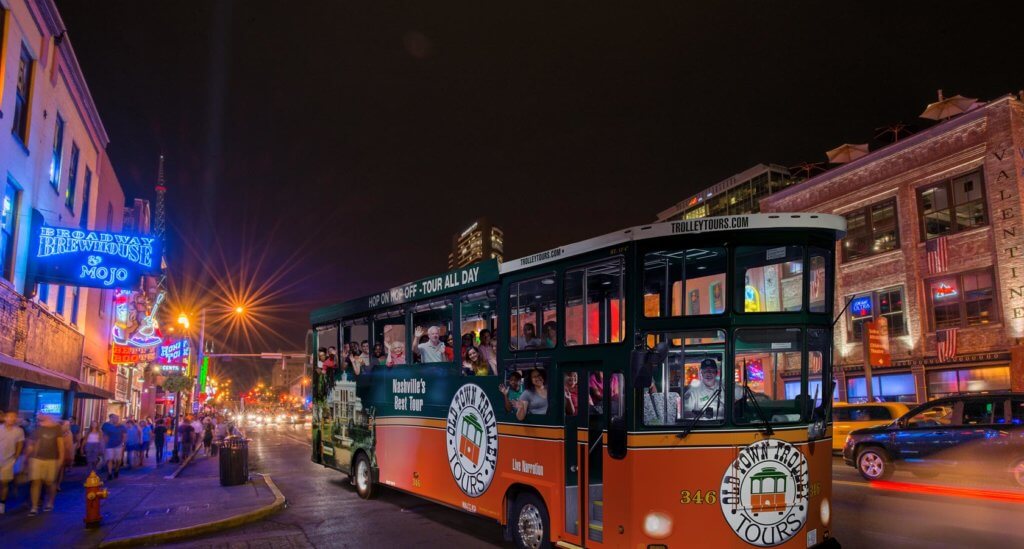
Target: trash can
x: 234, y: 461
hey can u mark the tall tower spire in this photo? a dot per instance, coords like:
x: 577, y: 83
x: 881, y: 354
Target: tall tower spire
x: 161, y: 190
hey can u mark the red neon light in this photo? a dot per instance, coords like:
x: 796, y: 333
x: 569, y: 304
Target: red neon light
x: 930, y: 489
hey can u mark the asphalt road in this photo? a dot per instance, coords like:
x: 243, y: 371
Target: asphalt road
x: 324, y: 510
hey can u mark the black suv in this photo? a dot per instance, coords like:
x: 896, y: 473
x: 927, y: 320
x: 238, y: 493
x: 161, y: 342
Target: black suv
x: 973, y: 434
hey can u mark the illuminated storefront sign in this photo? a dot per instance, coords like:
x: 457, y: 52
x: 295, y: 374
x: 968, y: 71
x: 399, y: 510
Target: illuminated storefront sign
x: 94, y: 259
x: 173, y: 356
x: 135, y: 322
x: 127, y: 354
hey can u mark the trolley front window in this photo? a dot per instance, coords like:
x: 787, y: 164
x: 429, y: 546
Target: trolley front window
x: 770, y: 279
x: 688, y: 386
x: 764, y: 359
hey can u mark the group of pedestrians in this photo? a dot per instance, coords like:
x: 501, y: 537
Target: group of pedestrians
x: 53, y: 446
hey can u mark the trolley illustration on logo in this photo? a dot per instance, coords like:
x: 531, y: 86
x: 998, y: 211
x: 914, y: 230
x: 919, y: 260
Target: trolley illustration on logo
x: 472, y: 437
x: 768, y: 491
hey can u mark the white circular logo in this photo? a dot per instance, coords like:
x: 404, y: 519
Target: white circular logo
x: 764, y: 492
x: 472, y: 440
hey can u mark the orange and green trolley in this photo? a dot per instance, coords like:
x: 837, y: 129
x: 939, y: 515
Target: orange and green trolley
x: 667, y: 385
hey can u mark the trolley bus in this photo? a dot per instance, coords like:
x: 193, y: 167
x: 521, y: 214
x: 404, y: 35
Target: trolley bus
x: 667, y: 385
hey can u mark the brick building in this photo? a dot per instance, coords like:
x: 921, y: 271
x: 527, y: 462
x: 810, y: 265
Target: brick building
x: 955, y: 190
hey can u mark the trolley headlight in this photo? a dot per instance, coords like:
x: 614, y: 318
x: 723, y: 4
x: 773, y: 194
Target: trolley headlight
x: 657, y: 525
x: 825, y: 511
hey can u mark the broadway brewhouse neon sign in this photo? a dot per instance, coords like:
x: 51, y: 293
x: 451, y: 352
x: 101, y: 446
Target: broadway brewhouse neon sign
x: 95, y: 259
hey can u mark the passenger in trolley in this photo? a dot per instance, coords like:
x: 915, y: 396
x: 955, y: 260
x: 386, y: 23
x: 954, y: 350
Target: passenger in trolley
x: 707, y: 387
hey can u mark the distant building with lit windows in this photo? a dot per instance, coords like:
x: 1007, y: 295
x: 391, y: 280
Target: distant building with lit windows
x: 478, y: 242
x: 739, y: 194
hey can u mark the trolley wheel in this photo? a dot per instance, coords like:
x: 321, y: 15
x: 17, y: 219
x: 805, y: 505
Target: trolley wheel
x: 362, y: 477
x: 874, y: 464
x: 530, y: 526
x: 1017, y: 473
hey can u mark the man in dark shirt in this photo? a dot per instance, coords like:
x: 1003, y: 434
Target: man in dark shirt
x: 45, y: 457
x: 159, y: 432
x: 113, y: 442
x: 185, y: 432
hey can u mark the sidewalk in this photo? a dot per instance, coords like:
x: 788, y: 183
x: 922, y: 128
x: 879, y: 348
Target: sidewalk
x: 142, y: 502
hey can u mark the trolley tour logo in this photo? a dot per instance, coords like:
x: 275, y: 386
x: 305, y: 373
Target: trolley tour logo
x: 764, y: 492
x: 472, y: 440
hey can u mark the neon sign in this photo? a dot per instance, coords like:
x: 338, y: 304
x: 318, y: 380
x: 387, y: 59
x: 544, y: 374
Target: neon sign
x: 861, y: 306
x: 943, y: 289
x: 174, y: 352
x: 94, y: 259
x: 135, y: 322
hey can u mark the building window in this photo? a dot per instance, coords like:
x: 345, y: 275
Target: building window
x: 69, y: 193
x: 60, y: 300
x: 76, y: 294
x: 110, y: 216
x: 887, y: 303
x: 58, y: 149
x: 965, y: 299
x: 20, y: 125
x: 43, y: 293
x: 871, y: 230
x: 8, y: 218
x: 971, y: 380
x: 953, y: 205
x: 83, y: 221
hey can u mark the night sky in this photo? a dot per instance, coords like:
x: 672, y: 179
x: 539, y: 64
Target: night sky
x: 340, y: 144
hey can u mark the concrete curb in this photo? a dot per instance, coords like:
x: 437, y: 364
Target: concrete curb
x: 207, y: 527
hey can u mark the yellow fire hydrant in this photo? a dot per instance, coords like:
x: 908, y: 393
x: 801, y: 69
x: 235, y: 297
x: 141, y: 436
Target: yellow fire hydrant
x: 93, y: 494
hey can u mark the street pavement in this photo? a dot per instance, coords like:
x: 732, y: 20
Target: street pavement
x: 941, y: 512
x: 324, y: 511
x: 141, y: 501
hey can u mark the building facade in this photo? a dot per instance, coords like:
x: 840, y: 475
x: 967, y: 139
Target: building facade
x: 54, y: 339
x: 739, y: 194
x: 935, y: 246
x: 478, y: 242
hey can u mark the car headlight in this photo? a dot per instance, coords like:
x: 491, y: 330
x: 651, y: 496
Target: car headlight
x: 658, y: 525
x: 825, y: 511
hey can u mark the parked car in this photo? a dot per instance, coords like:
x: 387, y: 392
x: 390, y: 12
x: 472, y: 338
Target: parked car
x: 968, y: 434
x: 848, y: 417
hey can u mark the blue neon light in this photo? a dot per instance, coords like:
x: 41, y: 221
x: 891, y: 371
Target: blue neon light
x: 94, y: 259
x: 861, y: 306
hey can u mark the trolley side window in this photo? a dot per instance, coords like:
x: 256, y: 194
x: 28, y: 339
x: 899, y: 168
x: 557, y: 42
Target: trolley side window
x: 526, y: 390
x: 478, y: 321
x: 433, y: 341
x: 533, y: 318
x: 389, y: 339
x: 594, y: 306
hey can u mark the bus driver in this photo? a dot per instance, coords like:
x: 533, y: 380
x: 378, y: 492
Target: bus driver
x: 703, y: 389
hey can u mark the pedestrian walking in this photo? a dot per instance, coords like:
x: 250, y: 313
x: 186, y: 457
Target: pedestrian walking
x: 147, y: 438
x: 133, y: 444
x: 185, y: 433
x: 12, y: 441
x: 159, y: 432
x: 113, y: 442
x: 68, y: 440
x: 92, y: 446
x: 207, y: 438
x: 46, y: 456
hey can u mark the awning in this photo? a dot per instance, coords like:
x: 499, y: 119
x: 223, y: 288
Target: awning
x: 35, y: 375
x: 38, y: 376
x: 85, y: 390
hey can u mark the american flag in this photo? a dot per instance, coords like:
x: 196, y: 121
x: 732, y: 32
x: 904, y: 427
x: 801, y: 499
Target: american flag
x: 938, y: 255
x: 945, y: 343
x: 814, y: 358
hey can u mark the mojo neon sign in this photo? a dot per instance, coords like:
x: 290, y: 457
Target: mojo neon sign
x: 95, y: 259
